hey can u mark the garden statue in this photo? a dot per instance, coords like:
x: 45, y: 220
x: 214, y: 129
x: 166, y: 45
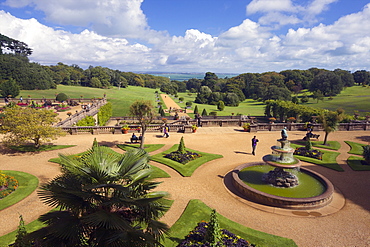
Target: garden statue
x: 284, y: 134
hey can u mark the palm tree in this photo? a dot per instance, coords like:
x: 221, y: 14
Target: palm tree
x: 330, y: 120
x: 104, y: 199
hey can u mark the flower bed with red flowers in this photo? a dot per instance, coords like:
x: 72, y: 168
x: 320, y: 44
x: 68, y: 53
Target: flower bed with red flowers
x: 196, y: 238
x: 313, y: 153
x: 8, y: 184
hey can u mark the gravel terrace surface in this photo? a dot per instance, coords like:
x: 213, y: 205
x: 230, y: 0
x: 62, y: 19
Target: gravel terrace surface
x: 350, y: 226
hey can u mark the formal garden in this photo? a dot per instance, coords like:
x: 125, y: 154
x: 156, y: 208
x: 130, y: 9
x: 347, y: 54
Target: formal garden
x: 188, y: 229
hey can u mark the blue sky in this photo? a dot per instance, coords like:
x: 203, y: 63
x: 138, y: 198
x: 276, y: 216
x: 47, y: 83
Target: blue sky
x: 235, y: 36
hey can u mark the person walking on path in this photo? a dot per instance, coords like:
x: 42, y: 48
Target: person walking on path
x: 166, y: 129
x: 254, y: 144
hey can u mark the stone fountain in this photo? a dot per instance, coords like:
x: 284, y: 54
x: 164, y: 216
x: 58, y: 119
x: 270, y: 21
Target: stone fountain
x: 277, y: 181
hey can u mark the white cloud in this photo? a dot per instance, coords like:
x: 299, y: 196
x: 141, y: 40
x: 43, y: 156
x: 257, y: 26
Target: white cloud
x: 248, y: 47
x: 51, y: 46
x: 105, y: 17
x: 318, y: 6
x: 270, y: 6
x: 285, y: 12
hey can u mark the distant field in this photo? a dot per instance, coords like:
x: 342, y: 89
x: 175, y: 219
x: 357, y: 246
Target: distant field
x: 120, y: 99
x: 351, y: 99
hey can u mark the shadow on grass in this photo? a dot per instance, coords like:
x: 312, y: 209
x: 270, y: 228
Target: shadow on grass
x: 358, y: 164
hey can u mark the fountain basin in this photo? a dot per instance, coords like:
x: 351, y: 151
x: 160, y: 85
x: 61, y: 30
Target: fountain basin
x: 273, y: 160
x: 310, y: 202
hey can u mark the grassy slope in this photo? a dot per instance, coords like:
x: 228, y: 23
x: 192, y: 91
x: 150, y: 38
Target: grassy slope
x: 350, y: 99
x: 353, y: 98
x: 120, y: 99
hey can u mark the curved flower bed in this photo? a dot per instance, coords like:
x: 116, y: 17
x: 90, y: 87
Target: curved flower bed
x: 182, y: 158
x: 196, y: 238
x: 313, y: 153
x: 8, y: 184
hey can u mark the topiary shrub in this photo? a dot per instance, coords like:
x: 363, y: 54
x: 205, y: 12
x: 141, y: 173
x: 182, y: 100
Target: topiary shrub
x: 181, y: 155
x: 61, y: 97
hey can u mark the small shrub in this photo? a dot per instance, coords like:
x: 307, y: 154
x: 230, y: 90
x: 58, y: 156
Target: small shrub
x: 61, y: 97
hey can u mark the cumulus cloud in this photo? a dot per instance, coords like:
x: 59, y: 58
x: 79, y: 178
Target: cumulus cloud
x: 51, y: 46
x: 285, y: 12
x: 270, y: 6
x: 248, y: 47
x: 105, y: 17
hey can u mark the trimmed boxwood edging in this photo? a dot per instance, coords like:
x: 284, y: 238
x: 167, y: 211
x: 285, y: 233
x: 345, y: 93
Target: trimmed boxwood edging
x: 196, y: 211
x: 27, y: 184
x: 187, y: 169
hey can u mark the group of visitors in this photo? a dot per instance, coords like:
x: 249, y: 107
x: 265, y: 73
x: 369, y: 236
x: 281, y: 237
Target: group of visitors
x: 135, y: 138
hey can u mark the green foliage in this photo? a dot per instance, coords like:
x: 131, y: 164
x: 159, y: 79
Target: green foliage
x: 181, y: 148
x: 104, y: 114
x: 366, y: 153
x: 23, y: 125
x: 213, y: 234
x: 20, y: 240
x: 220, y: 105
x: 204, y: 112
x: 86, y: 121
x: 213, y: 113
x: 61, y: 97
x: 117, y: 183
x: 196, y: 111
x: 143, y: 111
x: 308, y: 144
x: 9, y: 88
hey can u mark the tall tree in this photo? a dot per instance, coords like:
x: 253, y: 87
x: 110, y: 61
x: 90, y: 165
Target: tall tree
x: 144, y: 112
x: 23, y: 125
x: 18, y: 47
x: 9, y: 87
x: 104, y: 199
x: 328, y: 82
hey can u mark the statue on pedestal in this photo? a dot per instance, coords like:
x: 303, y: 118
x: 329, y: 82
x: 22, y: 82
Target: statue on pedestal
x: 284, y: 134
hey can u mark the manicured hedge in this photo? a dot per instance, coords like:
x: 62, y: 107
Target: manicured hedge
x: 104, y: 114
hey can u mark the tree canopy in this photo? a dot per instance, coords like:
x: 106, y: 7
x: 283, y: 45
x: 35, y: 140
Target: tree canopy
x: 23, y: 125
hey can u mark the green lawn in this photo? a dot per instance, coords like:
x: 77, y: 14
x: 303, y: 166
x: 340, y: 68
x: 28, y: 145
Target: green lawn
x: 356, y: 148
x: 27, y: 183
x: 350, y: 99
x: 249, y: 106
x: 187, y: 169
x: 121, y: 99
x: 355, y: 163
x: 328, y: 159
x: 196, y: 211
x: 332, y: 145
x: 31, y: 148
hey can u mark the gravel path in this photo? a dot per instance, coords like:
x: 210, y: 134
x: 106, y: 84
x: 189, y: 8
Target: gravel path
x: 350, y: 226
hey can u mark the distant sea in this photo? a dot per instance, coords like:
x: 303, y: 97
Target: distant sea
x: 187, y: 76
